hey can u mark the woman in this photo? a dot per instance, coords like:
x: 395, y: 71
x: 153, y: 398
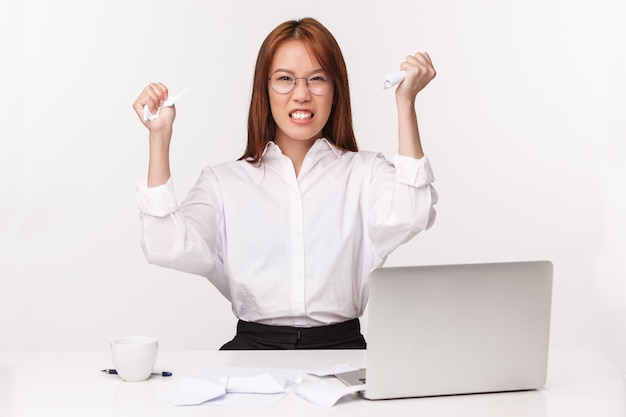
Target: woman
x: 290, y: 231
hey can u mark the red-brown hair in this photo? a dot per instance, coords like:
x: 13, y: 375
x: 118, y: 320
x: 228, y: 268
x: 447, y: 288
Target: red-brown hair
x: 324, y: 47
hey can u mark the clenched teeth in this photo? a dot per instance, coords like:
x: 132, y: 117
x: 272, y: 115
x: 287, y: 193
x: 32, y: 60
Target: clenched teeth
x: 301, y: 115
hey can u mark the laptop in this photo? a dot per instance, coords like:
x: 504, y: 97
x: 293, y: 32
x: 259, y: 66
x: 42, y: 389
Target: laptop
x: 456, y: 329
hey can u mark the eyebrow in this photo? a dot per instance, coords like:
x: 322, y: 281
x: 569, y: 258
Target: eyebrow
x: 293, y: 73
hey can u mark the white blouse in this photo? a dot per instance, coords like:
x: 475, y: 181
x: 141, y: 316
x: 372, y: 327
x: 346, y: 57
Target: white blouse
x: 287, y: 250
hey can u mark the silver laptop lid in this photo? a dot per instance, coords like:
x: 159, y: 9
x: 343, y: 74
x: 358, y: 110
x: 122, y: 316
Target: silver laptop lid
x: 458, y: 329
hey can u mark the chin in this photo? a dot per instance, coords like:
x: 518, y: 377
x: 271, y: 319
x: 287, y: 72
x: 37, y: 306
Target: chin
x: 303, y: 137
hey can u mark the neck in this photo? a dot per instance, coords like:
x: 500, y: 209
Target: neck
x: 296, y: 150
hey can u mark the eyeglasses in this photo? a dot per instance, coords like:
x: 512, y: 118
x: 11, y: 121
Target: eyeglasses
x: 318, y: 83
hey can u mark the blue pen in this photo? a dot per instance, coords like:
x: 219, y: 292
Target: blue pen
x: 114, y: 372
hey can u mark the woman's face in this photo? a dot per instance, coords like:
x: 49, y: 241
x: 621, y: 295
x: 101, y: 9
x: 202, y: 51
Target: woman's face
x: 299, y: 114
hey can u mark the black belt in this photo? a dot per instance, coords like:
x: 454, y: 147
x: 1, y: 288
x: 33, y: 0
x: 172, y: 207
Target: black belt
x: 345, y: 335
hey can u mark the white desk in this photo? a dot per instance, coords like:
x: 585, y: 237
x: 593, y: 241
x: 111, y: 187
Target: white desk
x: 580, y: 383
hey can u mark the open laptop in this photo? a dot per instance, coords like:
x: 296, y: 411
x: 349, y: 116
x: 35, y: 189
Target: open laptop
x: 456, y: 329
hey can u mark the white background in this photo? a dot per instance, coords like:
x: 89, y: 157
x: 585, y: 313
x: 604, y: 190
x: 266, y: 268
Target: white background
x: 524, y: 125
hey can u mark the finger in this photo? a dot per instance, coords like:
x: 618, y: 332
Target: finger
x: 422, y: 62
x: 428, y: 63
x: 427, y: 57
x: 143, y: 100
x: 413, y: 66
x: 163, y: 92
x: 419, y: 58
x: 158, y: 92
x: 153, y: 96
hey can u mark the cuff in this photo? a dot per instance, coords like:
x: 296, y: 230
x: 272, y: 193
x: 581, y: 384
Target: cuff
x: 411, y: 171
x: 156, y: 201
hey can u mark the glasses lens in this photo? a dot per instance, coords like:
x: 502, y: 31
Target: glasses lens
x: 318, y: 83
x: 282, y: 82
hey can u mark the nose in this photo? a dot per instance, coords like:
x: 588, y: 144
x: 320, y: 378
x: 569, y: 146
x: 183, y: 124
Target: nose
x: 301, y: 90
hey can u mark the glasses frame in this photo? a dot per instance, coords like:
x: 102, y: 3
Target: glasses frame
x: 295, y: 82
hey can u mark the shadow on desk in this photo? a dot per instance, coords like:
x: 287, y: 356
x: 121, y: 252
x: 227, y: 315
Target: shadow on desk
x: 530, y: 403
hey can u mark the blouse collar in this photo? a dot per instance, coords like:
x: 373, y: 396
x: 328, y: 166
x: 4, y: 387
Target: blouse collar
x: 321, y: 145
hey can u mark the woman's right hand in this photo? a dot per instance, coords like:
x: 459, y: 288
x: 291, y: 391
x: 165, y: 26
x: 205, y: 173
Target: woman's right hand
x: 160, y: 131
x: 153, y: 96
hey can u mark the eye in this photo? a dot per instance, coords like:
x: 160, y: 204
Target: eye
x: 319, y: 78
x: 283, y: 77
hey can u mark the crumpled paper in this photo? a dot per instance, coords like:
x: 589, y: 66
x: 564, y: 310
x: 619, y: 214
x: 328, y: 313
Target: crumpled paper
x: 255, y: 387
x: 394, y: 78
x: 148, y: 115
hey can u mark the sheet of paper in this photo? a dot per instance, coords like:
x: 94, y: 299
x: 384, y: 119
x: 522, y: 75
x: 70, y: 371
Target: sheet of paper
x: 259, y: 384
x: 393, y: 78
x: 283, y: 377
x: 233, y: 386
x: 147, y: 114
x: 324, y: 394
x: 255, y: 387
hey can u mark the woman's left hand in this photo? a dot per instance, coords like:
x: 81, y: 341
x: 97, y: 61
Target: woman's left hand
x: 419, y: 72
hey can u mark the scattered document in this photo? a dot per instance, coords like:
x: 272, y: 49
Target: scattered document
x: 324, y: 394
x: 255, y: 387
x: 260, y: 384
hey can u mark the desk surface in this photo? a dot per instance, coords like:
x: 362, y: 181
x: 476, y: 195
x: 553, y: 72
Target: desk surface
x: 580, y: 383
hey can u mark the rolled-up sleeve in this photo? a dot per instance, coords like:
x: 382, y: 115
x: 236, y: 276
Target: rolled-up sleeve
x: 402, y: 201
x: 156, y: 201
x: 411, y: 171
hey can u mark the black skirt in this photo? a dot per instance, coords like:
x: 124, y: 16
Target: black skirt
x: 253, y: 336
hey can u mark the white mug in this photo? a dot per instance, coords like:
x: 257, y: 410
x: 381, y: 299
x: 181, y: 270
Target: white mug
x: 134, y: 357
